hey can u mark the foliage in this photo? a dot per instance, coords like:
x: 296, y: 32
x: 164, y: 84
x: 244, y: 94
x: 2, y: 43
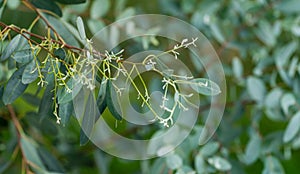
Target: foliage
x: 42, y: 56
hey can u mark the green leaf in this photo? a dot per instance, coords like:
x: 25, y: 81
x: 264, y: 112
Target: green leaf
x: 286, y: 101
x: 282, y: 57
x: 220, y: 163
x: 84, y: 139
x: 200, y: 164
x: 23, y: 56
x: 272, y: 104
x: 205, y: 86
x: 60, y: 53
x: 14, y: 87
x: 128, y: 12
x: 95, y: 25
x: 265, y: 33
x: 99, y: 8
x: 87, y: 113
x: 216, y: 31
x: 47, y: 5
x: 237, y: 68
x: 209, y: 149
x: 70, y: 1
x: 62, y: 29
x: 65, y: 111
x: 29, y: 149
x: 31, y: 99
x: 50, y: 161
x: 288, y: 7
x: 256, y: 89
x: 46, y: 105
x: 17, y: 42
x: 111, y: 102
x: 80, y: 27
x: 13, y: 4
x: 283, y: 54
x: 272, y: 166
x: 30, y: 73
x: 101, y: 99
x: 292, y: 128
x: 65, y: 96
x: 174, y: 161
x: 253, y: 149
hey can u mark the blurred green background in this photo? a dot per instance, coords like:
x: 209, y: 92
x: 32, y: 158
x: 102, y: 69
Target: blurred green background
x: 257, y: 42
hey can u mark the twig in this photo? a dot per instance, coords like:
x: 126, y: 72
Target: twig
x: 19, y: 134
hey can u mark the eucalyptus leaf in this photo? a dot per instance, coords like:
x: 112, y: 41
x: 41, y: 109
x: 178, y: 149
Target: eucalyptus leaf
x: 47, y: 5
x: 205, y: 86
x: 80, y: 27
x: 174, y: 161
x: 101, y: 99
x: 265, y: 33
x: 62, y: 30
x: 292, y: 128
x: 209, y: 149
x: 111, y: 102
x: 288, y: 7
x: 87, y: 114
x: 46, y: 105
x: 253, y: 149
x: 23, y: 56
x: 64, y: 95
x: 65, y: 111
x: 14, y: 87
x: 286, y: 101
x: 60, y: 53
x: 200, y: 164
x: 29, y: 148
x: 272, y: 166
x: 216, y: 31
x: 49, y: 160
x: 99, y: 8
x: 17, y: 42
x: 219, y: 163
x: 30, y: 73
x: 31, y: 99
x: 237, y: 68
x: 256, y: 89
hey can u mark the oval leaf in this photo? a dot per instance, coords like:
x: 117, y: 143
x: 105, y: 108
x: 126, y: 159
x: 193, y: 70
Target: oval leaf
x: 253, y: 149
x: 286, y: 101
x: 23, y: 56
x: 65, y: 111
x: 292, y: 128
x: 17, y: 42
x: 60, y: 53
x: 80, y: 27
x: 205, y: 86
x: 14, y: 87
x: 174, y: 161
x: 101, y: 99
x: 47, y: 5
x: 30, y: 73
x: 99, y: 8
x: 30, y: 152
x: 110, y: 101
x: 64, y: 95
x: 256, y: 89
x: 219, y: 163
